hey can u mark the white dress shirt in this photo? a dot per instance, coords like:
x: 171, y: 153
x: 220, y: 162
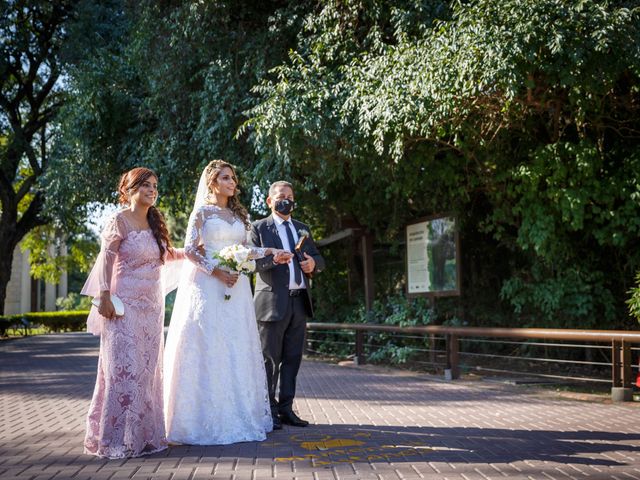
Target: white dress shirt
x: 282, y: 233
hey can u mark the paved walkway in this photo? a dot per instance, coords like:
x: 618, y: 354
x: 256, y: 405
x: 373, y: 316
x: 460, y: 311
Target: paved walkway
x: 368, y: 424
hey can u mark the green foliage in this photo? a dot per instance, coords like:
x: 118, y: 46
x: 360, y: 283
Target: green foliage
x: 401, y: 312
x: 308, y: 127
x: 576, y: 213
x: 73, y: 301
x: 521, y: 117
x: 165, y: 87
x: 5, y: 324
x: 71, y: 321
x: 51, y: 254
x: 578, y: 297
x: 392, y: 353
x: 396, y: 310
x: 32, y: 38
x: 634, y: 301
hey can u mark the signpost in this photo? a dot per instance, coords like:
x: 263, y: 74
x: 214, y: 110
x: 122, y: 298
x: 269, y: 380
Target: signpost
x: 433, y: 257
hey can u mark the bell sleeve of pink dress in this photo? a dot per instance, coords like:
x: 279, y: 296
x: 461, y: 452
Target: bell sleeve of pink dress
x: 101, y: 276
x: 171, y: 270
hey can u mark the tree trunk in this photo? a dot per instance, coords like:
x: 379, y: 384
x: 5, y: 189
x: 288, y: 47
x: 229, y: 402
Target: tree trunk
x: 32, y: 44
x: 7, y: 245
x: 12, y: 230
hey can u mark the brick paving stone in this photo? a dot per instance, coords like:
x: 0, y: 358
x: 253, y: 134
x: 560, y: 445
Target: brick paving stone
x: 369, y: 423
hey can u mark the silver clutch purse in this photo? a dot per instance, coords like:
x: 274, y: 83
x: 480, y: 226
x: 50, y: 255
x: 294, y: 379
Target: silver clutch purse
x: 117, y: 304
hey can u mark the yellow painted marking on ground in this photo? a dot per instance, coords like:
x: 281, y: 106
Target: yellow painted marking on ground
x: 326, y: 449
x: 309, y: 437
x: 326, y: 458
x: 327, y: 444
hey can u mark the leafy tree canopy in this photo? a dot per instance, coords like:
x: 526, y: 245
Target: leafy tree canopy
x: 521, y: 116
x: 33, y: 37
x: 166, y: 86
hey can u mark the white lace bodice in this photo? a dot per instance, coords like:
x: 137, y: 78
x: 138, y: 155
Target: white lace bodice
x: 217, y: 233
x: 212, y: 228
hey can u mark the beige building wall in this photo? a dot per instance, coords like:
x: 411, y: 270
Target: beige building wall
x: 18, y: 298
x: 13, y: 300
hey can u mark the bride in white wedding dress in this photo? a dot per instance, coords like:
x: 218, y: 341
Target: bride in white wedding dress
x: 215, y: 387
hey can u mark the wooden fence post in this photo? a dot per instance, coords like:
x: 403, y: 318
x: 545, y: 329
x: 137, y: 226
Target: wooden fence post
x: 625, y: 361
x: 360, y: 358
x: 615, y: 364
x: 452, y: 369
x: 621, y: 390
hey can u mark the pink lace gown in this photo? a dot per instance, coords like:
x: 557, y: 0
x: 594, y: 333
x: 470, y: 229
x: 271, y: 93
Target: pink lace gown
x: 126, y: 418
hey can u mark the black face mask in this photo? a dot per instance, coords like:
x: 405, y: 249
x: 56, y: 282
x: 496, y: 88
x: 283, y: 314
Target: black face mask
x: 284, y: 206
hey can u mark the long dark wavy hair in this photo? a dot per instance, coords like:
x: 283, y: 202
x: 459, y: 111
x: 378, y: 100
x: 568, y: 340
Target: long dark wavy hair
x: 212, y: 171
x: 130, y: 182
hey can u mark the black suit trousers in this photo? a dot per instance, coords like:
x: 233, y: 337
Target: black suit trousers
x: 282, y: 348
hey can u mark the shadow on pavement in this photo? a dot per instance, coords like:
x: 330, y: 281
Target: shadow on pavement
x: 55, y: 364
x: 329, y: 445
x: 334, y: 444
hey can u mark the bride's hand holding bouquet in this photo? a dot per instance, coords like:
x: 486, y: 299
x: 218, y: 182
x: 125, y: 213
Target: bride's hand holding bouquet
x: 234, y: 260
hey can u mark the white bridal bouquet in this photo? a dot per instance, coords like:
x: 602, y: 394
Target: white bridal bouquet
x: 236, y: 258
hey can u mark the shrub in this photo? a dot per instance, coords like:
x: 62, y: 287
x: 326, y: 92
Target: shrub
x: 634, y: 301
x: 396, y: 310
x: 72, y: 321
x: 5, y: 324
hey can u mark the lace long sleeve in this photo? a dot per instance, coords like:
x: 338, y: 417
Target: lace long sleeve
x: 262, y: 264
x: 256, y: 252
x: 193, y: 243
x: 101, y: 274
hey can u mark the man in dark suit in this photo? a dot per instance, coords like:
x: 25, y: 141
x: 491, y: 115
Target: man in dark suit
x: 283, y: 300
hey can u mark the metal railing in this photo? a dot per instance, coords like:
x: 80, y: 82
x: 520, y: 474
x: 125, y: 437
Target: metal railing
x: 617, y: 341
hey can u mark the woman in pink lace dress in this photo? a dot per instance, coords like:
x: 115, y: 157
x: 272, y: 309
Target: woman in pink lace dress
x: 126, y: 414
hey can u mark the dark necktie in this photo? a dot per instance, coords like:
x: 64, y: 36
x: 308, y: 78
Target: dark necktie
x: 297, y: 273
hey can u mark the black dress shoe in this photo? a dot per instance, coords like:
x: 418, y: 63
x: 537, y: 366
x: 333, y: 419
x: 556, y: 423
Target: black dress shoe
x: 277, y: 425
x: 290, y: 418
